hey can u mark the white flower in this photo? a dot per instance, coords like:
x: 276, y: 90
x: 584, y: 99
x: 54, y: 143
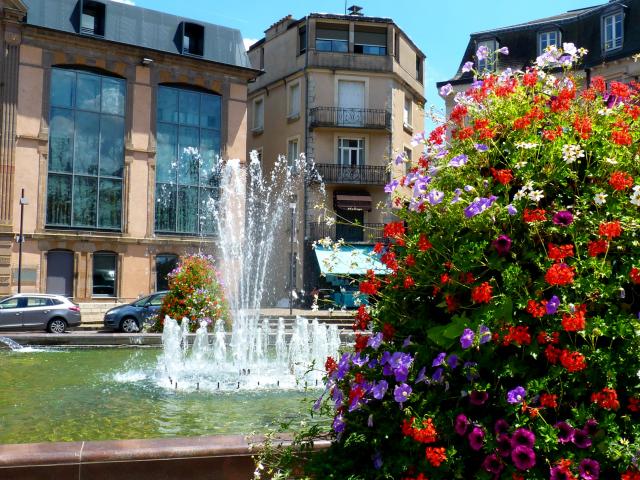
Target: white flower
x: 536, y: 195
x: 528, y: 185
x: 600, y: 198
x: 521, y: 164
x: 526, y: 145
x: 635, y: 197
x: 330, y: 221
x: 571, y: 153
x: 520, y: 194
x: 612, y: 161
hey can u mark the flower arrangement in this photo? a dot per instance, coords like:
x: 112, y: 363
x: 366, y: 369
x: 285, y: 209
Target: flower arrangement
x: 506, y: 343
x: 195, y: 293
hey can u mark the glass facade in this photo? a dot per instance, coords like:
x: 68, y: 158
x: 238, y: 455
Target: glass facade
x: 188, y: 152
x: 86, y: 151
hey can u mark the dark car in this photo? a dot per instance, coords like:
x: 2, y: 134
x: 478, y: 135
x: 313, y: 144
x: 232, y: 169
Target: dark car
x: 131, y: 317
x: 33, y: 311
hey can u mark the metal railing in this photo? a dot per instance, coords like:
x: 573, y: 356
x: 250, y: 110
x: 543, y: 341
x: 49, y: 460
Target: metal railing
x: 365, y: 233
x: 352, y: 174
x: 350, y: 117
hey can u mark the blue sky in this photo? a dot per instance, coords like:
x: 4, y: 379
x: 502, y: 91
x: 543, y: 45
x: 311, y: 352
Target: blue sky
x: 440, y: 29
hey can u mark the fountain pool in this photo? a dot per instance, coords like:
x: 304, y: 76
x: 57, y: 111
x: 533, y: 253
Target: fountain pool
x: 105, y: 393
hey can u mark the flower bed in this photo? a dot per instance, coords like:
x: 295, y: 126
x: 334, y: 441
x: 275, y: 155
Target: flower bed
x: 506, y: 343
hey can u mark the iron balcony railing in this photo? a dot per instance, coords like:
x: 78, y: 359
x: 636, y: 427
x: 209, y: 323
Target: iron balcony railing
x: 365, y: 233
x: 350, y: 118
x: 352, y: 174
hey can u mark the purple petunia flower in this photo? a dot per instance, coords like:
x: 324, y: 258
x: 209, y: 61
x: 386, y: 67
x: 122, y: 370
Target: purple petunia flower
x: 421, y: 377
x: 482, y: 53
x: 478, y: 398
x: 370, y: 421
x: 565, y: 432
x: 380, y: 389
x: 399, y: 159
x: 552, y: 305
x: 406, y: 342
x: 563, y: 218
x: 461, y: 425
x: 591, y: 426
x: 338, y: 423
x: 503, y: 443
x: 484, y: 334
x: 503, y: 50
x: 523, y: 436
x: 581, y: 439
x: 560, y: 473
x: 511, y: 210
x: 479, y: 205
x: 501, y: 426
x: 391, y: 187
x: 466, y: 340
x: 435, y: 197
x: 343, y: 366
x: 446, y: 90
x: 437, y: 375
x: 439, y: 360
x: 375, y: 341
x: 589, y: 469
x: 476, y: 438
x: 517, y: 395
x: 401, y: 393
x: 481, y: 147
x: 467, y: 67
x: 377, y: 460
x: 337, y: 397
x: 523, y: 457
x: 452, y: 361
x: 471, y: 371
x: 502, y: 244
x: 456, y: 196
x: 492, y: 464
x: 458, y: 161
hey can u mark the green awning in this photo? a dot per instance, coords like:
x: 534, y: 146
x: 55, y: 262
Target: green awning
x: 349, y: 260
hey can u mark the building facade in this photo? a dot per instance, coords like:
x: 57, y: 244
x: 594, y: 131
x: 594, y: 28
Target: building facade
x: 608, y: 31
x: 113, y: 119
x: 347, y: 91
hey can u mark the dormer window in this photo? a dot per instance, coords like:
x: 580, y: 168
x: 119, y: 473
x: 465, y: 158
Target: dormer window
x: 92, y: 18
x: 192, y: 39
x: 612, y: 31
x: 547, y: 39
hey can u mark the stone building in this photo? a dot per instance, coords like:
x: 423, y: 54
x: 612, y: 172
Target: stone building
x: 348, y: 92
x: 112, y: 119
x: 609, y: 31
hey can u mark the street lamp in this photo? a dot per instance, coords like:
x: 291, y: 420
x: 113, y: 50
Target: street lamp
x: 23, y: 202
x: 292, y: 208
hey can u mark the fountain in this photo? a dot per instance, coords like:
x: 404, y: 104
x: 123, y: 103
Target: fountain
x: 12, y: 345
x: 250, y: 356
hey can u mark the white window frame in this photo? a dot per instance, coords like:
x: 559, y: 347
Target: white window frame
x: 615, y: 43
x: 407, y: 113
x: 361, y: 150
x: 258, y: 120
x: 489, y: 63
x: 293, y: 141
x: 293, y: 107
x: 546, y: 35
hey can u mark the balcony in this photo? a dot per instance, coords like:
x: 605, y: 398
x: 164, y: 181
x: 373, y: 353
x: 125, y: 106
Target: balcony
x: 372, y: 119
x: 366, y: 233
x: 332, y: 173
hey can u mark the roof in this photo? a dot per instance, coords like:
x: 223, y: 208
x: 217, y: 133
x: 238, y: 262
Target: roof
x: 133, y: 25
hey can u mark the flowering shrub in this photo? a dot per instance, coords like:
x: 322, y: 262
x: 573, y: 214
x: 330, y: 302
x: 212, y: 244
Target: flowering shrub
x: 513, y: 351
x: 195, y: 293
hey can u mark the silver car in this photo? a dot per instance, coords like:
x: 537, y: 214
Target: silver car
x: 34, y: 311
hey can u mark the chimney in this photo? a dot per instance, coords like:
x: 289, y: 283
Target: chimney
x: 278, y: 27
x: 355, y: 11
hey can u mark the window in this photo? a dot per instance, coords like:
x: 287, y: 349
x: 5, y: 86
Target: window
x: 334, y: 38
x: 292, y: 151
x: 294, y: 101
x: 396, y: 44
x: 104, y: 274
x: 302, y: 40
x: 351, y: 151
x: 407, y: 113
x: 38, y: 302
x: 419, y: 68
x: 92, y: 18
x: 487, y: 63
x: 369, y: 41
x: 547, y: 39
x: 258, y: 115
x: 188, y: 154
x: 86, y: 151
x: 408, y: 154
x: 192, y: 39
x: 612, y: 31
x: 262, y: 58
x: 164, y: 265
x: 10, y: 303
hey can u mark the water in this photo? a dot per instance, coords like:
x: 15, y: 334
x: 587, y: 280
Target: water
x: 10, y: 343
x: 249, y: 218
x: 104, y: 394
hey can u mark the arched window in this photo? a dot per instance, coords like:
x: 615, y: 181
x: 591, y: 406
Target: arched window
x: 188, y: 154
x: 105, y: 274
x: 86, y: 150
x: 165, y: 263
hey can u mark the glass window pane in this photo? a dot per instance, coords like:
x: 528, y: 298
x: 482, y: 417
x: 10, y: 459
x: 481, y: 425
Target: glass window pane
x: 164, y: 265
x: 59, y: 200
x: 189, y: 108
x: 167, y: 164
x: 61, y: 140
x: 167, y: 105
x: 104, y: 274
x: 112, y: 146
x: 165, y: 207
x: 62, y: 88
x: 88, y: 92
x: 187, y: 215
x: 210, y: 153
x: 189, y: 154
x: 210, y: 111
x: 85, y: 195
x: 208, y: 199
x: 110, y: 202
x: 87, y: 142
x: 113, y: 96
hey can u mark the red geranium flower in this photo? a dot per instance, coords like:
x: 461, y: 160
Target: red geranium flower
x: 560, y: 252
x: 423, y: 243
x: 620, y: 180
x: 607, y: 398
x: 575, y: 322
x: 582, y: 126
x: 436, y: 455
x: 549, y: 400
x: 560, y: 274
x: 572, y: 361
x: 482, y: 293
x: 535, y: 215
x: 610, y: 230
x: 635, y: 275
x: 596, y: 247
x: 504, y: 175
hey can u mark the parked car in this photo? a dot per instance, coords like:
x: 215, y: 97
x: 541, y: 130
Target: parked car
x: 131, y: 317
x: 33, y: 311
